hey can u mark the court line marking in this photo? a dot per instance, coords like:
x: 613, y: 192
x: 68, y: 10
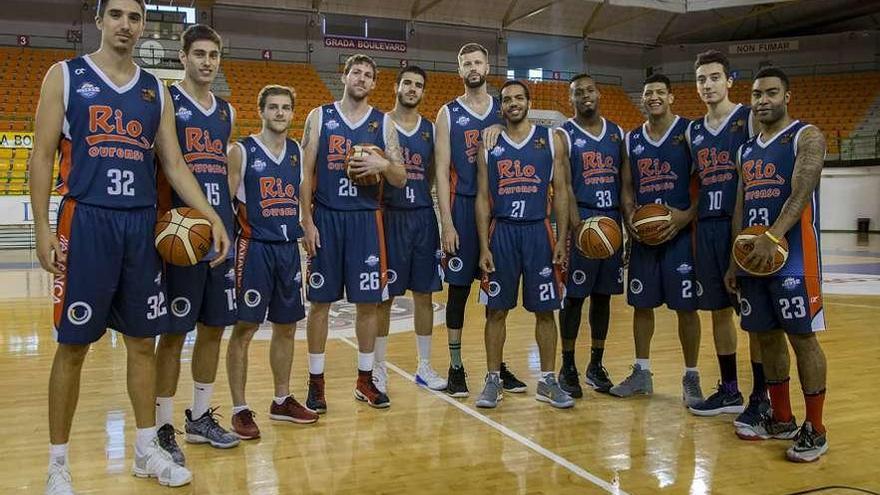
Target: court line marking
x: 549, y: 454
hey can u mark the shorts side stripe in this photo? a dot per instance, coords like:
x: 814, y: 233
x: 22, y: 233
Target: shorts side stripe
x: 59, y: 286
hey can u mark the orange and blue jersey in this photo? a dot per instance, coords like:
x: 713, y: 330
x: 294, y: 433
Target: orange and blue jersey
x: 595, y: 164
x: 417, y: 147
x: 465, y: 128
x: 661, y: 170
x: 520, y: 175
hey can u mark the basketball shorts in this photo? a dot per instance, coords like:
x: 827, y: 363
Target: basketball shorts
x: 711, y: 260
x: 201, y: 294
x: 413, y: 244
x: 351, y: 257
x: 588, y: 276
x: 522, y: 249
x: 113, y: 275
x: 663, y: 274
x: 463, y: 267
x: 793, y: 304
x: 268, y: 277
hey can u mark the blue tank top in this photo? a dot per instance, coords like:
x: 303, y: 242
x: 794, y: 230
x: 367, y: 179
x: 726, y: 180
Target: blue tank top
x: 418, y: 156
x: 661, y: 170
x: 595, y: 164
x: 520, y: 175
x: 268, y: 195
x: 714, y: 153
x: 203, y: 135
x: 465, y: 128
x: 108, y: 135
x: 333, y: 189
x: 767, y: 170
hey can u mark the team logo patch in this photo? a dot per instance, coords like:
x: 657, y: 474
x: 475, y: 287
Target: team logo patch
x: 790, y: 283
x: 497, y: 151
x: 426, y: 136
x: 578, y: 277
x: 148, y: 95
x: 494, y: 289
x: 786, y: 138
x: 224, y: 115
x: 294, y: 160
x: 88, y: 90
x: 546, y: 272
x: 79, y: 313
x: 635, y: 286
x: 372, y: 260
x: 230, y: 275
x: 615, y: 138
x: 698, y: 126
x: 678, y: 139
x: 184, y: 114
x: 455, y: 264
x: 79, y: 71
x: 258, y: 165
x: 747, y: 151
x: 463, y: 121
x: 373, y: 126
x: 745, y: 308
x: 580, y: 142
x: 540, y: 143
x: 316, y: 280
x: 392, y: 276
x: 638, y: 149
x: 684, y: 268
x: 331, y: 124
x: 252, y: 298
x: 330, y: 111
x: 698, y: 139
x: 180, y: 307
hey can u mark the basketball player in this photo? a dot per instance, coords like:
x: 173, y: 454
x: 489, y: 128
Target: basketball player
x: 342, y: 221
x: 459, y: 126
x: 199, y: 293
x: 411, y: 234
x: 659, y: 170
x: 593, y: 147
x: 714, y: 141
x: 514, y: 181
x: 780, y: 170
x: 106, y: 115
x: 268, y: 275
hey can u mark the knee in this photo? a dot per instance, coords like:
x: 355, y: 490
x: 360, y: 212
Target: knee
x: 721, y: 316
x: 544, y: 318
x: 284, y: 331
x: 170, y: 343
x: 804, y: 343
x: 600, y: 300
x: 496, y: 316
x: 72, y: 354
x: 141, y: 347
x: 422, y: 298
x: 366, y: 310
x: 244, y: 330
x: 319, y: 310
x: 689, y: 318
x: 209, y: 334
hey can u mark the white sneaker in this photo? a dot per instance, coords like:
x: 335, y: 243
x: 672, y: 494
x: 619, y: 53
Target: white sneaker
x: 380, y: 376
x: 426, y: 376
x: 59, y: 481
x: 156, y: 463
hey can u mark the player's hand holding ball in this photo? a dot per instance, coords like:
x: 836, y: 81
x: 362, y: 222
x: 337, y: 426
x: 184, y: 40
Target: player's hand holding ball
x: 680, y: 219
x: 365, y: 164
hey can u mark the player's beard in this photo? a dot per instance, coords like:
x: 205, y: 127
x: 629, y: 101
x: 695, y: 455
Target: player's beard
x: 475, y: 84
x: 516, y: 120
x: 404, y: 103
x: 356, y: 97
x: 588, y: 113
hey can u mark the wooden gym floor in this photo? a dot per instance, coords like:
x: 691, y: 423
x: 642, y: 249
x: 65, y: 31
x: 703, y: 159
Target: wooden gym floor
x: 429, y: 443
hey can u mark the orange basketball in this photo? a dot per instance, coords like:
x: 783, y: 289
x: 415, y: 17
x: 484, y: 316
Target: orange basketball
x: 362, y: 150
x: 599, y: 237
x: 649, y: 220
x: 183, y: 236
x: 741, y: 250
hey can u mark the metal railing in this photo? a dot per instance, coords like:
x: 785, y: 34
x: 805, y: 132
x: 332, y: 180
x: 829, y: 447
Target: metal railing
x: 855, y: 149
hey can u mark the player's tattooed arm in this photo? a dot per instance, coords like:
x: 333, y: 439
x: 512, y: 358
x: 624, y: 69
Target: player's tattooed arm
x: 47, y: 134
x: 442, y: 160
x: 395, y: 173
x: 805, y: 179
x: 311, y: 236
x: 562, y: 197
x: 481, y: 205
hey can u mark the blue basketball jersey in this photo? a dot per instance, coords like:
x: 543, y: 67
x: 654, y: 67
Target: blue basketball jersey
x: 268, y: 195
x: 203, y: 135
x: 767, y: 170
x: 714, y: 152
x: 595, y: 164
x: 108, y: 134
x: 333, y: 188
x: 520, y: 175
x: 661, y: 170
x: 465, y: 128
x: 418, y: 156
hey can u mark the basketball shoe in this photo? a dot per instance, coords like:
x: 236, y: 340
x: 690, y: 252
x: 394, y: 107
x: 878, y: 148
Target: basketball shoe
x: 380, y: 376
x: 206, y: 429
x: 244, y: 426
x: 751, y: 416
x: 156, y: 463
x: 315, y: 400
x: 691, y: 393
x: 550, y: 392
x: 598, y: 378
x: 638, y: 382
x: 723, y: 401
x: 292, y: 411
x: 808, y: 446
x: 492, y: 392
x: 365, y: 390
x: 456, y: 385
x: 59, y: 481
x: 570, y: 381
x: 426, y: 376
x: 510, y: 382
x: 769, y: 428
x: 168, y: 441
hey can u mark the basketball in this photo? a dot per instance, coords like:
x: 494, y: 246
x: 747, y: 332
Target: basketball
x: 183, y: 236
x: 599, y: 237
x: 362, y: 150
x: 741, y: 250
x: 649, y: 221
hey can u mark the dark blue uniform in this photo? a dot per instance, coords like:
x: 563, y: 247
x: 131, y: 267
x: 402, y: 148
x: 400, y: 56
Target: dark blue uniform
x: 267, y: 266
x: 714, y: 154
x: 520, y: 236
x: 412, y: 239
x: 465, y: 128
x: 595, y: 178
x: 201, y: 293
x: 661, y: 173
x: 790, y: 299
x: 113, y: 275
x: 348, y: 217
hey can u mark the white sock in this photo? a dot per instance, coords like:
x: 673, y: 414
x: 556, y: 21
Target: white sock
x: 380, y: 347
x: 164, y: 411
x: 143, y: 438
x: 316, y: 363
x: 238, y: 409
x: 644, y: 364
x: 280, y: 400
x: 365, y: 361
x: 423, y: 342
x: 546, y: 374
x: 495, y: 374
x: 58, y: 454
x: 691, y: 370
x: 201, y: 399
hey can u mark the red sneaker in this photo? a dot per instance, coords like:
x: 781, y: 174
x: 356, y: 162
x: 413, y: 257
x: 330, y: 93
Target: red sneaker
x: 244, y: 426
x: 315, y: 400
x: 293, y: 411
x: 366, y: 391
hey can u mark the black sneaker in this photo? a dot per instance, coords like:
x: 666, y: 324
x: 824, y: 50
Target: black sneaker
x: 456, y: 384
x: 597, y: 377
x: 510, y: 382
x: 166, y: 434
x: 808, y: 446
x: 721, y: 402
x: 769, y: 428
x: 570, y: 381
x: 315, y: 400
x: 758, y: 406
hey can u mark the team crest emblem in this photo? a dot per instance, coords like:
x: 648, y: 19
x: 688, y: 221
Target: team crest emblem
x: 684, y: 268
x: 785, y: 139
x: 678, y: 139
x: 230, y: 275
x: 148, y: 95
x: 615, y: 138
x: 546, y: 272
x: 540, y: 143
x: 638, y: 150
x: 697, y: 126
x: 790, y: 283
x: 331, y: 124
x: 330, y: 111
x: 372, y: 260
x: 294, y: 160
x: 494, y: 289
x: 298, y: 277
x: 580, y: 142
x: 747, y: 151
x: 373, y: 126
x: 184, y: 114
x: 258, y: 165
x: 224, y: 115
x: 635, y: 286
x: 463, y: 121
x: 88, y: 90
x: 426, y: 136
x: 497, y: 151
x: 698, y: 139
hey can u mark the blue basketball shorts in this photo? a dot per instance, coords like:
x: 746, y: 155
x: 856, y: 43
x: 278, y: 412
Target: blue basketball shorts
x: 268, y: 277
x: 201, y: 294
x: 412, y: 240
x: 663, y: 274
x: 792, y: 304
x: 711, y: 260
x: 463, y: 267
x: 588, y: 276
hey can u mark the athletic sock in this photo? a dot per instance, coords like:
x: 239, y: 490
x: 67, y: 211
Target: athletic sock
x: 815, y: 403
x: 567, y: 359
x: 596, y: 354
x: 455, y: 354
x: 759, y: 381
x: 164, y: 411
x: 644, y: 364
x: 545, y: 375
x: 316, y: 364
x: 780, y: 401
x: 380, y: 348
x: 280, y: 400
x: 238, y: 409
x: 423, y: 344
x: 143, y: 438
x: 201, y: 399
x: 58, y: 454
x: 727, y: 363
x: 365, y: 361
